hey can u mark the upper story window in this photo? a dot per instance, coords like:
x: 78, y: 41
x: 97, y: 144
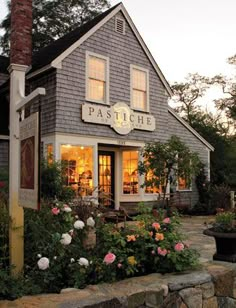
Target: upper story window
x: 97, y: 71
x: 139, y: 88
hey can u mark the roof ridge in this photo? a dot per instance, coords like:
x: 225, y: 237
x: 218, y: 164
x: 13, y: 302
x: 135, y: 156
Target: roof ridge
x: 55, y: 48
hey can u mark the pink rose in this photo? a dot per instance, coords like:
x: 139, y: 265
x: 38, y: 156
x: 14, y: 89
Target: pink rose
x: 109, y: 258
x: 119, y: 265
x: 179, y: 246
x: 166, y: 220
x: 161, y: 252
x: 153, y: 252
x: 55, y: 211
x: 156, y: 225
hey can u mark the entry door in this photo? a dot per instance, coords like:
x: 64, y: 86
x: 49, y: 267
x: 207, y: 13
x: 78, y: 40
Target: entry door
x: 106, y: 178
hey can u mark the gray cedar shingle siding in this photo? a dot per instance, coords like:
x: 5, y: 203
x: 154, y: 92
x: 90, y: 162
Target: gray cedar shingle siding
x: 65, y: 94
x: 195, y: 145
x: 122, y: 51
x: 4, y: 153
x: 48, y: 102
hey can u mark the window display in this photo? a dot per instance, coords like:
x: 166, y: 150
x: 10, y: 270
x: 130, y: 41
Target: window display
x: 79, y: 168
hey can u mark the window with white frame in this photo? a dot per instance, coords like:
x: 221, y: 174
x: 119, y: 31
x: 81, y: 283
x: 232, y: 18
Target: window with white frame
x: 139, y: 88
x: 97, y: 68
x: 184, y: 181
x: 130, y: 172
x: 78, y: 164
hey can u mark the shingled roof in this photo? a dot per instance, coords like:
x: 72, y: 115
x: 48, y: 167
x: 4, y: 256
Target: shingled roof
x: 46, y: 55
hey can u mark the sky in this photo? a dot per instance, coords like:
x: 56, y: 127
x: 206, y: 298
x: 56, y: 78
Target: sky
x: 184, y: 36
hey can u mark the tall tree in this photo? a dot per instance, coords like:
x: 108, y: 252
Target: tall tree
x: 228, y: 102
x: 208, y: 125
x: 187, y: 93
x: 54, y: 18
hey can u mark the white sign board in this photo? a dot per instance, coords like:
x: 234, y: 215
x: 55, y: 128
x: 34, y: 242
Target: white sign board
x: 119, y: 116
x: 28, y: 190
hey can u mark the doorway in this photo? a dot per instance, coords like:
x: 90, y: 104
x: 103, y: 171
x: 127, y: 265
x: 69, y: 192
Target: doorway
x: 106, y: 178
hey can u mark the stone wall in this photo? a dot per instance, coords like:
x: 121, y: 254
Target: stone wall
x: 214, y: 286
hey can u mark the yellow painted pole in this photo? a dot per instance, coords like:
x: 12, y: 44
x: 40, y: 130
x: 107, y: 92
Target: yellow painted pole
x: 16, y: 230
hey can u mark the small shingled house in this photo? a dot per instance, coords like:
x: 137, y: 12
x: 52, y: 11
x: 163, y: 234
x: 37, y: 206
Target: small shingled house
x: 105, y: 98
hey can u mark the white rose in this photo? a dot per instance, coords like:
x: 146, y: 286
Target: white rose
x: 66, y: 208
x: 90, y: 222
x: 65, y: 239
x: 72, y: 260
x: 55, y: 257
x: 39, y: 255
x: 43, y: 263
x: 83, y: 262
x: 79, y: 224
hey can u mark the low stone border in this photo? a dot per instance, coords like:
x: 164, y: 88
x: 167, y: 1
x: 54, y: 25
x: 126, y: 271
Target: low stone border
x: 214, y: 286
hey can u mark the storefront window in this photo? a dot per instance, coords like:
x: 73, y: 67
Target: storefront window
x: 130, y: 172
x: 49, y: 150
x: 79, y: 168
x: 152, y: 189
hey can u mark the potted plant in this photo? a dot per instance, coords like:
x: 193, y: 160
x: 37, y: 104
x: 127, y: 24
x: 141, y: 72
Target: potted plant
x: 224, y: 232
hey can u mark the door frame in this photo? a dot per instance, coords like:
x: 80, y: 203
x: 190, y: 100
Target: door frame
x: 112, y: 155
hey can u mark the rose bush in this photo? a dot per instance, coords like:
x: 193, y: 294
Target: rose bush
x: 56, y: 257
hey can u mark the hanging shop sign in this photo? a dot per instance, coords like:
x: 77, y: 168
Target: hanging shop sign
x: 119, y: 116
x: 28, y: 190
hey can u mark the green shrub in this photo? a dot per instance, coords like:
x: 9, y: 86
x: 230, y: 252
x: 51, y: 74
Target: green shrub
x: 10, y: 287
x: 53, y: 182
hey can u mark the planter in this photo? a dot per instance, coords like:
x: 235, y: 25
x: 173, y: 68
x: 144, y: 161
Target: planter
x: 225, y: 245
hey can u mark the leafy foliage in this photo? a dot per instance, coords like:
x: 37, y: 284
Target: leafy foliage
x: 225, y: 222
x: 168, y: 161
x: 216, y: 128
x: 53, y: 180
x: 54, y: 18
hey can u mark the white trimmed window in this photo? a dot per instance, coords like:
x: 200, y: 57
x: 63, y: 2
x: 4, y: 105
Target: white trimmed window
x: 139, y: 79
x: 97, y: 73
x: 130, y: 172
x: 184, y: 183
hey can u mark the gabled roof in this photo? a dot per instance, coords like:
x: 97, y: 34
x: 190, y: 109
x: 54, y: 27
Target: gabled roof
x: 47, y: 54
x: 192, y: 130
x: 53, y: 55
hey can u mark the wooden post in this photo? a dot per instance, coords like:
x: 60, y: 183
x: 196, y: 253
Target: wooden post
x: 16, y: 231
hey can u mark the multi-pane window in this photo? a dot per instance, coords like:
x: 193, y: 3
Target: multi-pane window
x: 130, y: 172
x: 184, y: 183
x: 139, y: 84
x: 97, y: 78
x: 152, y: 188
x: 78, y: 161
x: 49, y: 149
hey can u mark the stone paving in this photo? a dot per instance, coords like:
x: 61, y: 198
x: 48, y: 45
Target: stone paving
x: 193, y: 227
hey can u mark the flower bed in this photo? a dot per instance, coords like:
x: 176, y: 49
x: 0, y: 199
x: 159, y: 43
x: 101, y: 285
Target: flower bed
x: 57, y: 257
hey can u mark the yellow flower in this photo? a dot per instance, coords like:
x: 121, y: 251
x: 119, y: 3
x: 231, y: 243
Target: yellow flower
x: 131, y: 238
x: 159, y: 237
x: 132, y: 261
x: 141, y: 224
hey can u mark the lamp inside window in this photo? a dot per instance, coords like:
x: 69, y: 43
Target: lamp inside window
x: 130, y: 172
x: 78, y: 162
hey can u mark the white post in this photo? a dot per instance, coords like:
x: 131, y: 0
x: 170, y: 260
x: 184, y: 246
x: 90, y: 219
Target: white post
x: 16, y: 231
